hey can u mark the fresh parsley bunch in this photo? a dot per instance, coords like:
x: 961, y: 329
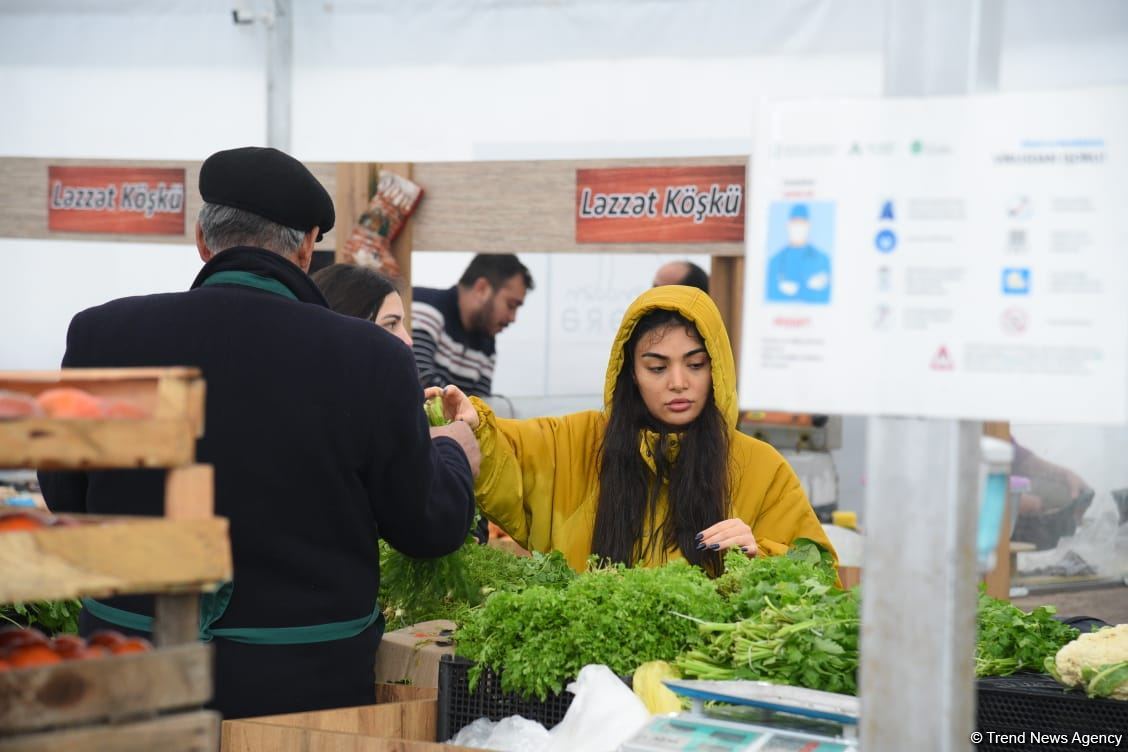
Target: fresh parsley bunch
x: 540, y: 638
x: 748, y: 583
x: 417, y: 590
x: 1012, y: 640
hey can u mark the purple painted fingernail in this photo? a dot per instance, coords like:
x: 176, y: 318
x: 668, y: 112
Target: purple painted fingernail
x: 699, y: 536
x: 714, y: 546
x: 700, y: 546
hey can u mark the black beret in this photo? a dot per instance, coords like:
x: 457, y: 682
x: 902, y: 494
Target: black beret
x: 269, y: 183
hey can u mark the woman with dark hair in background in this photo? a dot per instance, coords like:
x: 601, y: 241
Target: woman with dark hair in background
x: 661, y: 472
x: 363, y: 293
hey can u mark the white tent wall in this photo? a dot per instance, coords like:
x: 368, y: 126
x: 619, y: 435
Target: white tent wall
x: 387, y: 80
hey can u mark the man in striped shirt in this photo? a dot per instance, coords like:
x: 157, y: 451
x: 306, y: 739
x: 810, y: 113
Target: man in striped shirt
x: 454, y: 329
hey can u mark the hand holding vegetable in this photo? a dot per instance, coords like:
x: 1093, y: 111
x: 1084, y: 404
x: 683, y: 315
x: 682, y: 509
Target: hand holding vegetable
x: 461, y: 433
x: 455, y: 404
x: 731, y: 533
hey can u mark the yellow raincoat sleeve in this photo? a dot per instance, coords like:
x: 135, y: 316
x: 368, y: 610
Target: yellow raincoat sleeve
x: 770, y: 499
x: 518, y: 483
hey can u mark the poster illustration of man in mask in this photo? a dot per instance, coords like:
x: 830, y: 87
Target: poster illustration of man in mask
x: 800, y: 271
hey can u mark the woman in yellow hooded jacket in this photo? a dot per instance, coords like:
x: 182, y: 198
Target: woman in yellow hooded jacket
x: 661, y: 471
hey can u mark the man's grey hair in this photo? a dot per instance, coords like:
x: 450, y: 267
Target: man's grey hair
x: 226, y: 227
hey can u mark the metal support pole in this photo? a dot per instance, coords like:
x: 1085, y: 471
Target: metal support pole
x: 279, y: 74
x: 918, y: 591
x: 918, y: 602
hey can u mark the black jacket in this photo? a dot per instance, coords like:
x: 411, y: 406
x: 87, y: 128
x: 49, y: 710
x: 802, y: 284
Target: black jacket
x: 315, y: 429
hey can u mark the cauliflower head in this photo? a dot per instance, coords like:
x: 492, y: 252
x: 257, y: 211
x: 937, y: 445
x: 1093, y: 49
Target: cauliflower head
x: 1096, y: 661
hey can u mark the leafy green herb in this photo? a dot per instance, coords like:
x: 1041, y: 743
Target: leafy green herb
x: 416, y: 590
x: 53, y: 617
x: 541, y: 637
x: 1012, y: 640
x: 747, y: 583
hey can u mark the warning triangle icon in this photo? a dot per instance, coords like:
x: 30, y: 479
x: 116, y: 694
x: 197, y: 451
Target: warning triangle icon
x: 942, y: 361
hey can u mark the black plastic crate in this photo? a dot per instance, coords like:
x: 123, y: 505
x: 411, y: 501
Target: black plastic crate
x: 459, y: 707
x: 1027, y: 703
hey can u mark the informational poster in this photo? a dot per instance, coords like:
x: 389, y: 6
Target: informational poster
x: 660, y: 204
x: 944, y: 257
x: 118, y: 200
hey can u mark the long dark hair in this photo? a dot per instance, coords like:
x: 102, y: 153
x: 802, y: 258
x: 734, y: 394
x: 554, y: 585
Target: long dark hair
x: 354, y: 290
x: 698, y: 494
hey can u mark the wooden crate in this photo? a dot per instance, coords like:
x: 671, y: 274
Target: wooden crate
x: 117, y: 702
x: 185, y: 732
x: 110, y: 689
x: 173, y: 397
x: 390, y: 727
x: 116, y: 556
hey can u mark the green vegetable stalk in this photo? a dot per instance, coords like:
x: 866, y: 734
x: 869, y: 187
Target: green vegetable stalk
x: 805, y: 634
x: 434, y: 410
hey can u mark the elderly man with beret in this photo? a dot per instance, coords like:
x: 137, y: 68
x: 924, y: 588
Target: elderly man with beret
x: 316, y: 431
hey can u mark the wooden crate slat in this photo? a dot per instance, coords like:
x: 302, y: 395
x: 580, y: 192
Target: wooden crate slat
x: 144, y: 387
x: 71, y: 375
x: 415, y: 719
x: 256, y: 734
x: 48, y: 444
x: 138, y: 556
x: 181, y: 398
x: 183, y: 732
x: 172, y: 397
x: 110, y: 688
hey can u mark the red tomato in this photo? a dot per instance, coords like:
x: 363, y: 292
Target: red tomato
x: 67, y: 645
x: 106, y: 638
x: 132, y: 645
x: 91, y: 651
x: 12, y: 523
x: 68, y: 402
x: 15, y: 637
x: 33, y: 655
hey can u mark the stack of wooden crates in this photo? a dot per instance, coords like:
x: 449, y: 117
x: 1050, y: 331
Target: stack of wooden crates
x: 132, y: 702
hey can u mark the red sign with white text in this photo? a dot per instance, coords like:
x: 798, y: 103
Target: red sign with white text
x: 660, y: 205
x: 119, y: 200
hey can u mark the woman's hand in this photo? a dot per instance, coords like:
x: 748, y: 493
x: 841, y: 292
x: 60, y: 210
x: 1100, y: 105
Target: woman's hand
x: 731, y: 533
x: 456, y: 405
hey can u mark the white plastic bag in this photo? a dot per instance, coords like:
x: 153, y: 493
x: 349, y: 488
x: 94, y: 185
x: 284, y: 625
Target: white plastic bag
x: 512, y: 734
x: 604, y: 714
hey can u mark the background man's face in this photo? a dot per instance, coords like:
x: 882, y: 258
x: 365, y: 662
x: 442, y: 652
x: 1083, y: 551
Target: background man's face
x: 499, y: 309
x: 671, y: 273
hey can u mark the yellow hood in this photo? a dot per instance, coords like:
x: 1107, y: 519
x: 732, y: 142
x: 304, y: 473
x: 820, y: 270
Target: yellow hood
x: 699, y: 308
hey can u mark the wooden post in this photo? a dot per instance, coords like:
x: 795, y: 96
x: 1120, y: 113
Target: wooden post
x: 189, y: 495
x: 997, y: 429
x: 356, y: 182
x: 998, y: 579
x: 190, y: 492
x: 726, y: 287
x: 403, y: 244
